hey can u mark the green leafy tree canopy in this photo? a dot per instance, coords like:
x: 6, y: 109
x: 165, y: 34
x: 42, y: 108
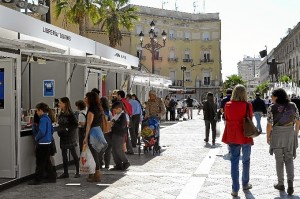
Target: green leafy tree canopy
x: 232, y: 81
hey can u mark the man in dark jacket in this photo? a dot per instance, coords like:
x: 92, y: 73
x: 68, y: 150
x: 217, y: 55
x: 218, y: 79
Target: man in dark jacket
x: 259, y: 109
x: 296, y: 101
x: 225, y: 100
x: 189, y: 104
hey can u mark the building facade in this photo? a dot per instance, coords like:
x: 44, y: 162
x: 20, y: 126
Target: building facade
x: 248, y: 69
x: 193, y: 41
x: 287, y: 53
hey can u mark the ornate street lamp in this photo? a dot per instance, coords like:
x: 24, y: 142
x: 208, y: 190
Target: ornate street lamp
x: 153, y: 45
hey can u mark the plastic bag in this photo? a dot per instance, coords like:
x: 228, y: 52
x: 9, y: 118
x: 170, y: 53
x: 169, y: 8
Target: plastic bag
x: 218, y: 133
x: 87, y: 163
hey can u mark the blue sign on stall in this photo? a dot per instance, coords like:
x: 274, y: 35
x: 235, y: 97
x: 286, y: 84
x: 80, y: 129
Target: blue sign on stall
x: 48, y: 88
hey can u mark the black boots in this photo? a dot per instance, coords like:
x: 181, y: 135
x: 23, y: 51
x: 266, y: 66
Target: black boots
x: 290, y: 189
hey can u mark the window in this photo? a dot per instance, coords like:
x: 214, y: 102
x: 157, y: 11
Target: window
x: 172, y: 54
x: 206, y: 56
x: 206, y: 78
x: 188, y: 76
x: 186, y: 54
x: 139, y: 28
x: 187, y: 35
x: 173, y: 76
x: 206, y: 36
x: 172, y: 34
x: 139, y: 53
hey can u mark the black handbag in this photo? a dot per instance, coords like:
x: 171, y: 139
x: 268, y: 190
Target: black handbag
x: 249, y: 128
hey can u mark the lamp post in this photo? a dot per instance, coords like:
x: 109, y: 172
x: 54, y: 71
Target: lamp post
x: 153, y: 45
x: 183, y: 68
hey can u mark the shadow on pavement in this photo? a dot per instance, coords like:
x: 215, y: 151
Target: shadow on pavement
x: 283, y: 194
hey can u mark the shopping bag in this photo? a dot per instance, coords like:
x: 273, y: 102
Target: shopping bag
x: 87, y: 163
x: 218, y: 131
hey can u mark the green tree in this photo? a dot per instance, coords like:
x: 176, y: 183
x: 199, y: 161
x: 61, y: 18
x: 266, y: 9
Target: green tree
x: 232, y: 81
x: 285, y: 79
x: 113, y: 16
x: 262, y: 88
x: 77, y: 12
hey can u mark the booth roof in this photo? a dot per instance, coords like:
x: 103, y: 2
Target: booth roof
x: 17, y: 44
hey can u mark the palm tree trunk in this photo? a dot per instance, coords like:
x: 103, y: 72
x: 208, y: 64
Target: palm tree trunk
x: 82, y: 26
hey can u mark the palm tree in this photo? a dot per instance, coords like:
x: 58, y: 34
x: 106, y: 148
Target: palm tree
x: 113, y: 16
x: 77, y: 12
x: 232, y: 81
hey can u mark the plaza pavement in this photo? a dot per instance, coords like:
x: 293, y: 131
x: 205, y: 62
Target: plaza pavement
x: 187, y: 168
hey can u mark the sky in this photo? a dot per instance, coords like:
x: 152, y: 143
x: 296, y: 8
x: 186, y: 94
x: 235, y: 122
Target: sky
x: 247, y: 26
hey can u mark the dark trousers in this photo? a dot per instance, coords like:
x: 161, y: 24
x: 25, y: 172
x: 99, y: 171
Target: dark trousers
x: 117, y: 150
x: 81, y: 136
x: 106, y: 155
x: 65, y: 159
x: 95, y: 155
x: 172, y: 114
x: 213, y: 124
x: 43, y: 162
x: 167, y: 113
x: 134, y: 129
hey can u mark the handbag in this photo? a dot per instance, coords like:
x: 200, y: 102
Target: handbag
x: 105, y: 126
x: 249, y: 128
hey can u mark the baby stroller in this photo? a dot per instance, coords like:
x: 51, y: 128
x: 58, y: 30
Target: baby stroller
x: 150, y: 135
x: 180, y: 113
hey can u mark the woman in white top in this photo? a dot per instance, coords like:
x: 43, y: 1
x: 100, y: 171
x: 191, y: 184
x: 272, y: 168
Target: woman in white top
x: 81, y: 107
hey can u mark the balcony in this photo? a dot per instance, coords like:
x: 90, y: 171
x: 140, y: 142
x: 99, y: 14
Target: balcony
x: 187, y: 60
x: 173, y: 59
x: 177, y: 83
x: 158, y: 58
x: 211, y: 83
x: 206, y: 60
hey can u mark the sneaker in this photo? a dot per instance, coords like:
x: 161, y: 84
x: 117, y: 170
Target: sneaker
x: 64, y: 175
x: 247, y: 187
x: 234, y: 193
x: 77, y: 175
x: 279, y: 187
x: 116, y: 168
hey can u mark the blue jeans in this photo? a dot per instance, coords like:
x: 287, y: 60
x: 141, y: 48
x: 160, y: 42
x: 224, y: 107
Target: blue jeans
x: 235, y: 150
x: 257, y: 116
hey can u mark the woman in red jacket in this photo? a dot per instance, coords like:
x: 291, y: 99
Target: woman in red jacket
x: 235, y: 112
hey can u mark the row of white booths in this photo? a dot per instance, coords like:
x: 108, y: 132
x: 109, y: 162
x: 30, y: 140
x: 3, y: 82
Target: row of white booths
x: 65, y: 64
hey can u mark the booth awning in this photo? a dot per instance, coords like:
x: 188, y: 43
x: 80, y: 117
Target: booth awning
x: 28, y: 45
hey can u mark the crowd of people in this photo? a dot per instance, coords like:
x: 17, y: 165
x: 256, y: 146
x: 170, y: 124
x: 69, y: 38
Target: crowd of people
x: 113, y: 129
x: 105, y: 128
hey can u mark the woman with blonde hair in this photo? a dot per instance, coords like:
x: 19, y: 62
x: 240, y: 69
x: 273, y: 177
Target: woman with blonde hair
x: 235, y: 112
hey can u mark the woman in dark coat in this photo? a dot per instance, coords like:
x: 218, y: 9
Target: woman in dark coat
x: 67, y: 132
x: 209, y: 111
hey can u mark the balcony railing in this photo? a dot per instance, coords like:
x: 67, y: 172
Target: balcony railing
x: 177, y: 83
x: 187, y: 60
x: 173, y: 59
x: 206, y: 60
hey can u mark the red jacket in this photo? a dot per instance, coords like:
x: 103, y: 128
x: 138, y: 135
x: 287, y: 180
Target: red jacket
x: 127, y: 107
x: 235, y: 112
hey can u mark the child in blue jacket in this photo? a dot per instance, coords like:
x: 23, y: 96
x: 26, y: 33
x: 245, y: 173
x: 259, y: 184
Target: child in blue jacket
x: 43, y: 137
